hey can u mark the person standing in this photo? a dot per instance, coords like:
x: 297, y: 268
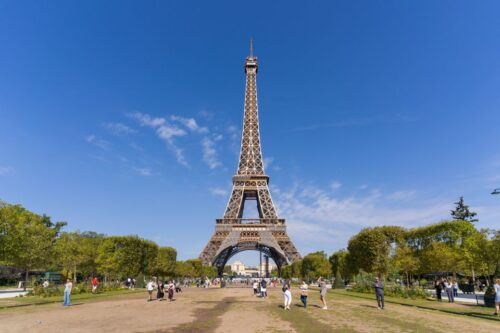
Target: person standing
x: 449, y: 290
x: 287, y: 295
x: 150, y: 287
x: 322, y: 292
x: 95, y: 284
x: 170, y: 291
x: 303, y: 293
x: 263, y: 288
x: 439, y: 288
x: 67, y: 292
x: 255, y: 286
x: 455, y: 289
x: 379, y: 293
x: 497, y: 296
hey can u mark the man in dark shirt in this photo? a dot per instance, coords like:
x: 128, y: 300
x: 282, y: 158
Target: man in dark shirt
x: 263, y: 288
x: 379, y: 292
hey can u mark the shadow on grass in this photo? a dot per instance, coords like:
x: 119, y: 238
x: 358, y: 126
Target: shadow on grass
x: 448, y: 311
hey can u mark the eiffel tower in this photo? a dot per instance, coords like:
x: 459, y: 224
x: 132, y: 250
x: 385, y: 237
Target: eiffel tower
x: 233, y: 233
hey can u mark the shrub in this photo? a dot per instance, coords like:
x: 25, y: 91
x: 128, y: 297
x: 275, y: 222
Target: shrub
x: 364, y: 284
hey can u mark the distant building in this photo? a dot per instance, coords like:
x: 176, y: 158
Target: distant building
x: 239, y: 268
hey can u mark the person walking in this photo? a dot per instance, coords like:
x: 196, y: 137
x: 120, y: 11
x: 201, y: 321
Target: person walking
x: 95, y: 284
x: 263, y: 288
x: 150, y: 287
x: 170, y: 291
x: 379, y: 293
x: 439, y: 289
x: 287, y: 295
x: 160, y: 294
x: 322, y: 292
x: 303, y: 293
x: 497, y: 296
x: 67, y: 292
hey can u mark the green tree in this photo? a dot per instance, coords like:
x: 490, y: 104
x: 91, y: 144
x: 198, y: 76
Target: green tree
x: 228, y: 270
x: 338, y: 260
x: 315, y: 265
x: 405, y: 261
x: 370, y: 249
x: 165, y: 262
x: 462, y: 212
x: 438, y: 257
x: 120, y: 257
x: 69, y: 253
x: 26, y: 239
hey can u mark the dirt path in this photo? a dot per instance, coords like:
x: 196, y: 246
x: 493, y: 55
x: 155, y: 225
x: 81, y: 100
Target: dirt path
x: 234, y: 310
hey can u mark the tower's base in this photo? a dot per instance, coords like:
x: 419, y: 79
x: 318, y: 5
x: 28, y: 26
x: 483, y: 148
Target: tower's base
x: 236, y: 235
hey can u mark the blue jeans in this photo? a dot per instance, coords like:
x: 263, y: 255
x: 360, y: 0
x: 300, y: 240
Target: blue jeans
x: 67, y: 298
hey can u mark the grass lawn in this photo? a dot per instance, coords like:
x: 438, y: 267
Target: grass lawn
x: 444, y: 306
x: 357, y: 312
x: 6, y: 303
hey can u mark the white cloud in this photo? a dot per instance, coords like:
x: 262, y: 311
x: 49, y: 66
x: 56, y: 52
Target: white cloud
x: 335, y: 185
x: 5, y: 170
x: 119, y: 128
x: 210, y: 153
x: 219, y: 191
x: 401, y: 195
x: 94, y: 140
x: 165, y: 131
x: 190, y: 123
x: 268, y: 161
x: 147, y: 120
x: 146, y: 172
x: 319, y: 219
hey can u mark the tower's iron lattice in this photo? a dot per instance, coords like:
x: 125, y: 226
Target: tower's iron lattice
x: 233, y: 233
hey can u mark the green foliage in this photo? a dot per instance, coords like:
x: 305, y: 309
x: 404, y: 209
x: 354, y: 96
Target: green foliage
x: 193, y: 268
x: 369, y: 250
x: 453, y: 233
x: 165, y: 262
x: 364, y: 284
x: 120, y: 257
x: 462, y: 212
x: 315, y: 265
x: 340, y: 268
x: 80, y: 288
x: 26, y: 239
x: 76, y: 252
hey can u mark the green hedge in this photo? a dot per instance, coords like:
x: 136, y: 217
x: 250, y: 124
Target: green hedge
x: 80, y: 288
x: 364, y: 284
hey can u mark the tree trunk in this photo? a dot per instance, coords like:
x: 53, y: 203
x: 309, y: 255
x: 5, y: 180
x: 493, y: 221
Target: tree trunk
x: 26, y: 273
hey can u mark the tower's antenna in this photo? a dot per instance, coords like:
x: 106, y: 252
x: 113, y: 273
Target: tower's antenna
x: 251, y: 46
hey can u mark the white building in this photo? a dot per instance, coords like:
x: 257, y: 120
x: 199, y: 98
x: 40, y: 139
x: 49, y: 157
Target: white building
x: 238, y: 267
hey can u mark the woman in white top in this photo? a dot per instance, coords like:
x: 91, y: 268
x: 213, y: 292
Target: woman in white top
x: 303, y: 293
x: 67, y: 292
x: 287, y: 294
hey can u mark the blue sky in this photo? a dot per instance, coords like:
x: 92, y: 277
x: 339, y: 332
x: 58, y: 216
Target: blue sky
x: 125, y: 117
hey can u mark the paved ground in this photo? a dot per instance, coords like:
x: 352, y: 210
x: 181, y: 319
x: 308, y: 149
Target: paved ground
x: 234, y: 310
